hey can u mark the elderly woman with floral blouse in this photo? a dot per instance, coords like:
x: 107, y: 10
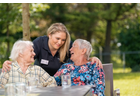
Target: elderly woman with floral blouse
x: 82, y: 71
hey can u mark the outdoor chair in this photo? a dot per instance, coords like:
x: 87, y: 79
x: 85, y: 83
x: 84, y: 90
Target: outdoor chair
x: 108, y: 70
x: 0, y: 70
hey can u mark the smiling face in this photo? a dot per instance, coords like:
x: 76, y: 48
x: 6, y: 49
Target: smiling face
x: 75, y: 51
x: 56, y: 40
x: 28, y: 54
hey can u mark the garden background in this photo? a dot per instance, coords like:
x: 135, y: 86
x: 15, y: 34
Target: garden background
x: 112, y: 28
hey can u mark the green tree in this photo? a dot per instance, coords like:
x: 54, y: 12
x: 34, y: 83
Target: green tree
x: 82, y: 21
x: 130, y: 39
x: 10, y: 24
x: 112, y: 12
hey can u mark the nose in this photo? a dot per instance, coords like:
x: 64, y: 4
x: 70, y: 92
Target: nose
x: 70, y: 48
x: 34, y: 53
x: 60, y: 41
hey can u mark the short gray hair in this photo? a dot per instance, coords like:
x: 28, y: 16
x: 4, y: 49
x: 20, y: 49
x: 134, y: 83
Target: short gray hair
x: 18, y: 47
x: 85, y: 44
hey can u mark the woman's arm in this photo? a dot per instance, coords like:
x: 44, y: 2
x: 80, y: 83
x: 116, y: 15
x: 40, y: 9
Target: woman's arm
x: 46, y: 79
x: 98, y: 81
x: 57, y: 77
x: 97, y: 61
x: 4, y: 77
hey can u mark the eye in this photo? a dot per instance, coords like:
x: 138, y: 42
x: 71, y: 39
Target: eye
x: 64, y: 40
x: 73, y: 45
x: 57, y: 38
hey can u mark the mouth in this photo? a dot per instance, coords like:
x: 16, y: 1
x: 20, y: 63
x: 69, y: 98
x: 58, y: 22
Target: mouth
x: 32, y: 57
x: 58, y: 45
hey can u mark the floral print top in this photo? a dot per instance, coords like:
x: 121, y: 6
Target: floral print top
x: 87, y: 74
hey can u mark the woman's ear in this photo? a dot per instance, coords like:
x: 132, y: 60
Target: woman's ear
x: 84, y: 51
x: 49, y: 35
x: 20, y: 54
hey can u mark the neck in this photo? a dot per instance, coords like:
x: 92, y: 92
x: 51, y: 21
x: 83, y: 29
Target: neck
x: 80, y: 61
x: 53, y: 51
x: 23, y: 66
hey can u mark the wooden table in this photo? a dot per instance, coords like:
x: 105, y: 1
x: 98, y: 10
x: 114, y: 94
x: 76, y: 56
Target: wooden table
x: 1, y: 92
x: 58, y: 91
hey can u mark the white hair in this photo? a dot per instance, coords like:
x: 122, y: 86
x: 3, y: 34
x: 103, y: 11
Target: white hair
x: 85, y: 44
x: 18, y: 47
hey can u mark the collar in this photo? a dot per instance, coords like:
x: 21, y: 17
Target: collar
x: 45, y: 43
x: 18, y: 68
x: 88, y: 63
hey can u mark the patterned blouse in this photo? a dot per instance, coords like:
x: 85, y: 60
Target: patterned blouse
x: 87, y: 74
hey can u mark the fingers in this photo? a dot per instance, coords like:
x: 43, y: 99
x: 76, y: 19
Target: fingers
x: 6, y: 66
x: 4, y: 69
x: 98, y: 63
x: 94, y: 60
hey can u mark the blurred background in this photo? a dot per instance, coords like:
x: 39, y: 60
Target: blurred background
x: 112, y: 28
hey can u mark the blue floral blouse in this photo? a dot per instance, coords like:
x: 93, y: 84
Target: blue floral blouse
x: 87, y: 74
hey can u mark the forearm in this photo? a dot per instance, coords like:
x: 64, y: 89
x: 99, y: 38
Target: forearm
x: 99, y: 82
x: 3, y: 79
x: 50, y: 82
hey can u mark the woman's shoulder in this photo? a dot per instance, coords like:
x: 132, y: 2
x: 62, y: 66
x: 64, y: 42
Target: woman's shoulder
x: 41, y: 38
x: 35, y: 67
x: 14, y: 64
x: 67, y: 64
x: 91, y: 64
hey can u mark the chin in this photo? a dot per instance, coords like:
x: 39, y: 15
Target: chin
x: 56, y: 47
x: 32, y: 61
x: 71, y: 59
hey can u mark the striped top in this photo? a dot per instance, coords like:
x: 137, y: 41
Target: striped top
x: 16, y: 75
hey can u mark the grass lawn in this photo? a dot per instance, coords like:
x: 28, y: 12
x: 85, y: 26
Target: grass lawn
x: 128, y: 82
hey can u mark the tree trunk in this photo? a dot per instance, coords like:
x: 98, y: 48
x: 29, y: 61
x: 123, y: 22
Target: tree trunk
x: 7, y: 32
x: 26, y: 21
x: 107, y: 49
x: 89, y: 36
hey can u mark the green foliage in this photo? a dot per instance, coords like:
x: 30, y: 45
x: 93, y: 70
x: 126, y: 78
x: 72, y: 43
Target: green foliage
x: 83, y: 20
x: 10, y: 26
x: 130, y: 39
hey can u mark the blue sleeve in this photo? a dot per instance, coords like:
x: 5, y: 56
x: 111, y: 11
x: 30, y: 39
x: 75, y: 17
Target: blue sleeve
x: 57, y: 76
x: 98, y: 81
x: 62, y: 70
x: 58, y: 80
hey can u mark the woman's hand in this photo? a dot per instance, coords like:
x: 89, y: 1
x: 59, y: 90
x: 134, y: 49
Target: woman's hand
x: 97, y: 61
x: 6, y: 66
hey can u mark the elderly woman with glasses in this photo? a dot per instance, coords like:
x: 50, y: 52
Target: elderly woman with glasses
x: 81, y: 70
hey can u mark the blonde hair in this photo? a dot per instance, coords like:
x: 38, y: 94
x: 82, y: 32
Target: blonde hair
x: 85, y: 44
x: 18, y: 47
x: 59, y: 27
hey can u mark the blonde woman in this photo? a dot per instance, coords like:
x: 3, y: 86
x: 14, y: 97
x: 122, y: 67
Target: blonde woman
x: 52, y: 50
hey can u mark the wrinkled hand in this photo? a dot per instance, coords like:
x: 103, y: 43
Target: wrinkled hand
x: 6, y: 66
x: 97, y: 61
